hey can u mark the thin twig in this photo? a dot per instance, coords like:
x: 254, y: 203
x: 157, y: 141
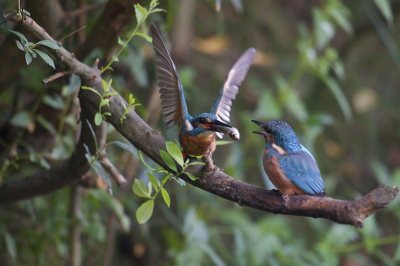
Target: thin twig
x: 72, y: 33
x: 56, y: 76
x: 110, y: 168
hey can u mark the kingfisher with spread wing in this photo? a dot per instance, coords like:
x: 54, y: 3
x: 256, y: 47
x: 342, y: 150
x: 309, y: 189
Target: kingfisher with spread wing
x: 288, y: 164
x: 197, y: 134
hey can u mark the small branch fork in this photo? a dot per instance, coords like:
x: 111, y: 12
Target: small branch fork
x: 147, y: 140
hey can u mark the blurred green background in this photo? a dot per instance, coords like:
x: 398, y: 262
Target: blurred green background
x: 330, y: 68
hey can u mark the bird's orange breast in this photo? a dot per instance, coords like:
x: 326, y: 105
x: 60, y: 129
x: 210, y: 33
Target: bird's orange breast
x: 278, y: 178
x: 198, y: 145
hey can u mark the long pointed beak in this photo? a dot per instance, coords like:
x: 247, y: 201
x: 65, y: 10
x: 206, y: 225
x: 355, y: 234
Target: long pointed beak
x: 220, y: 127
x: 258, y: 123
x: 219, y: 123
x: 259, y: 132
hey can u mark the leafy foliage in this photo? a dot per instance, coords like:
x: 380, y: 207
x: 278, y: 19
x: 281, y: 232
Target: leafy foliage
x: 170, y: 157
x: 30, y: 51
x: 141, y: 16
x: 313, y: 87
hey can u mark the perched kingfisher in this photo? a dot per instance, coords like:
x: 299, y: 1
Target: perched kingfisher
x: 197, y: 134
x: 288, y: 164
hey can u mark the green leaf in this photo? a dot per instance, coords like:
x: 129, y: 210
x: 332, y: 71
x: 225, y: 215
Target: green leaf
x: 28, y: 58
x: 104, y: 102
x: 108, y: 85
x: 104, y: 85
x: 98, y: 118
x: 26, y: 12
x: 154, y: 181
x: 107, y: 113
x: 386, y: 10
x: 19, y: 45
x: 39, y: 160
x: 11, y: 246
x: 21, y: 119
x: 168, y: 160
x: 175, y: 152
x: 121, y: 42
x: 126, y: 146
x: 145, y: 211
x: 49, y: 44
x: 340, y: 18
x: 147, y: 37
x: 165, y: 179
x: 340, y: 97
x: 56, y: 102
x: 131, y: 99
x: 191, y: 176
x: 144, y: 163
x: 141, y: 13
x: 32, y: 53
x: 46, y: 58
x: 165, y: 196
x: 91, y: 89
x: 115, y: 58
x: 72, y: 85
x: 19, y: 34
x: 157, y: 10
x: 28, y: 44
x: 140, y: 189
x: 110, y: 93
x: 46, y: 124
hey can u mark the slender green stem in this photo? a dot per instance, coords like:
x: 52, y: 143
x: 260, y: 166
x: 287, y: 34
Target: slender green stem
x: 122, y: 48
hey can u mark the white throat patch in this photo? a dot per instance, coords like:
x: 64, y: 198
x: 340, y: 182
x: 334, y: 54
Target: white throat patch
x: 189, y: 126
x: 279, y: 149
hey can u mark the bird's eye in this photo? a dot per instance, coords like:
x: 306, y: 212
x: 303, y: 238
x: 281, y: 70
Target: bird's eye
x: 202, y: 120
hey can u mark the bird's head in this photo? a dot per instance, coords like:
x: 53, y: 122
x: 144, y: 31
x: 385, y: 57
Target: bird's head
x: 207, y: 122
x: 278, y: 132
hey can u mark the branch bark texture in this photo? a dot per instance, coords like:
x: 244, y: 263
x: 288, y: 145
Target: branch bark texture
x: 149, y: 141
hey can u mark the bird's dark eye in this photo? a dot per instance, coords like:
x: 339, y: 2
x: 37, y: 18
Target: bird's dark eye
x: 202, y: 120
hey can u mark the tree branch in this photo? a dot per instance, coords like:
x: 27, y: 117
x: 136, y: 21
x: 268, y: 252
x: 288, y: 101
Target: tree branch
x: 149, y: 141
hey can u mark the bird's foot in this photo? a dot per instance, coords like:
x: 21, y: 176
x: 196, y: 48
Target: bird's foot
x: 207, y: 159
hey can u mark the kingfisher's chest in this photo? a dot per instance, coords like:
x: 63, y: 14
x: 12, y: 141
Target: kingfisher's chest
x: 276, y: 175
x: 198, y: 145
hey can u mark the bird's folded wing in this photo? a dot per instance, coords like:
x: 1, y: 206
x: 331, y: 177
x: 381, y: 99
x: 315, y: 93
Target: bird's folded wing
x: 223, y: 103
x: 301, y: 169
x: 171, y: 91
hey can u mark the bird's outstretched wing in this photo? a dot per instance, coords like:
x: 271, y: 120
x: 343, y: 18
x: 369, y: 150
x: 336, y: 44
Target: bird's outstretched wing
x: 301, y: 169
x: 223, y: 103
x: 172, y: 98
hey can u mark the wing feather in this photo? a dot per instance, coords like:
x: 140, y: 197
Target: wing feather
x: 171, y: 91
x: 222, y: 105
x: 301, y: 169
